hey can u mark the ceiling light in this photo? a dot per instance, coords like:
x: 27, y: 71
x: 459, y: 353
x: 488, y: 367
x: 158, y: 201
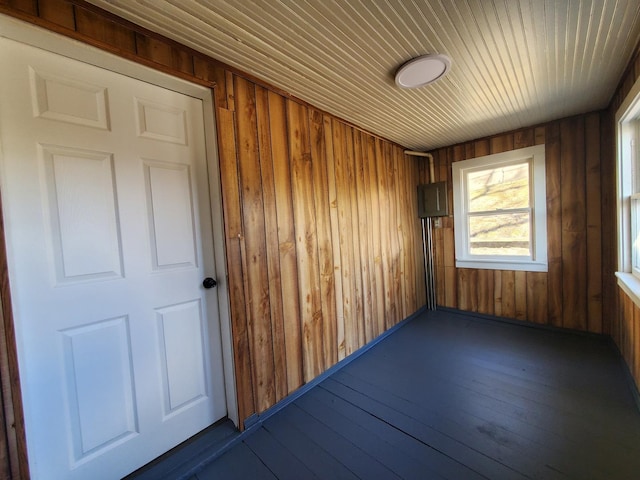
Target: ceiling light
x: 422, y: 71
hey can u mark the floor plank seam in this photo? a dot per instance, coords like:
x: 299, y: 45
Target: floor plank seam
x: 316, y: 445
x: 407, y: 433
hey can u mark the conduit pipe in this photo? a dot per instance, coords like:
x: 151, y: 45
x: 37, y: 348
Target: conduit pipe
x: 427, y: 240
x: 432, y: 175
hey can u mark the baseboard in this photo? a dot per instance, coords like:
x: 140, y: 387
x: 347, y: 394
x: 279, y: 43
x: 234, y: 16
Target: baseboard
x: 524, y: 323
x: 255, y: 421
x: 633, y: 386
x: 632, y: 383
x: 635, y: 392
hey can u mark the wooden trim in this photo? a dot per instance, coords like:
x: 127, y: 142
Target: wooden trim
x: 629, y: 72
x: 528, y: 324
x: 34, y: 18
x: 9, y: 373
x: 258, y: 420
x: 498, y: 140
x: 122, y: 52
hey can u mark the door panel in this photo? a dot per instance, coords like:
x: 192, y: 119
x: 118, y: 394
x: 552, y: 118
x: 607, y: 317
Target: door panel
x: 108, y: 229
x: 161, y: 122
x: 82, y: 211
x: 68, y: 100
x: 99, y: 416
x: 180, y: 326
x: 169, y: 195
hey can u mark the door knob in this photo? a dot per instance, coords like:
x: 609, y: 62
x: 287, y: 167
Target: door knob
x: 209, y: 282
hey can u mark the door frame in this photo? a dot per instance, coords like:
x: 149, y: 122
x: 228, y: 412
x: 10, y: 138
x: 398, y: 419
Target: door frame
x: 46, y: 40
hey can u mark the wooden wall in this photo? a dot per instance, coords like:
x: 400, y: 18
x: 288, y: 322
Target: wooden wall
x: 626, y: 333
x: 322, y: 236
x: 322, y: 239
x: 570, y: 293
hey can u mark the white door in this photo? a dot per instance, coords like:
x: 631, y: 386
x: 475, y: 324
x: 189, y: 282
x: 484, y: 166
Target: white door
x: 108, y: 229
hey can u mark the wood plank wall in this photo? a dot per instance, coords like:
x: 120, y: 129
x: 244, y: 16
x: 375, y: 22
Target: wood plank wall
x: 625, y: 321
x: 323, y: 247
x: 322, y: 239
x: 322, y: 236
x: 626, y: 333
x: 570, y: 293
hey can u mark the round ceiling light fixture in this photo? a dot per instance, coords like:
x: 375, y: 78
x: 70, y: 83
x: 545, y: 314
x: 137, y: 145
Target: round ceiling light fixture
x: 422, y: 71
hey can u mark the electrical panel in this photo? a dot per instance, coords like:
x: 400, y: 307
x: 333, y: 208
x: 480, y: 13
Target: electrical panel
x: 432, y: 200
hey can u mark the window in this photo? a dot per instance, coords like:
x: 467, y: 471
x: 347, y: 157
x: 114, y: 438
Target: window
x: 500, y: 213
x: 628, y: 159
x: 635, y: 232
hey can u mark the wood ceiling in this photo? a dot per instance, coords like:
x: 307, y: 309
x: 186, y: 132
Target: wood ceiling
x: 515, y: 62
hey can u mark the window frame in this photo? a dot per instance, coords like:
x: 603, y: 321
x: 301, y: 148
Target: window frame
x: 627, y: 122
x: 537, y: 261
x: 634, y: 211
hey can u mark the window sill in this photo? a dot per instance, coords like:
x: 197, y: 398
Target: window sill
x: 631, y: 286
x: 495, y: 265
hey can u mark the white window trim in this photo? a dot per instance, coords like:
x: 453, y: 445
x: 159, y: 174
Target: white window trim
x: 538, y: 261
x: 626, y: 128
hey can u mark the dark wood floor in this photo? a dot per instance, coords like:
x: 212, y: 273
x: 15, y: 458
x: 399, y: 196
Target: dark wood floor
x: 456, y: 397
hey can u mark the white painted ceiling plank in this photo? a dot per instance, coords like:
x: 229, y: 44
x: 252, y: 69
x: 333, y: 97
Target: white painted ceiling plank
x: 515, y: 62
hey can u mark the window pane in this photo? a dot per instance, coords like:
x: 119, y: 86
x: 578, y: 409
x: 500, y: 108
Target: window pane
x: 500, y: 188
x: 635, y: 234
x: 504, y: 234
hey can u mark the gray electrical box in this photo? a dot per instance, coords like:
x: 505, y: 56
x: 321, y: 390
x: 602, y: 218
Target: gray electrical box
x: 432, y: 200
